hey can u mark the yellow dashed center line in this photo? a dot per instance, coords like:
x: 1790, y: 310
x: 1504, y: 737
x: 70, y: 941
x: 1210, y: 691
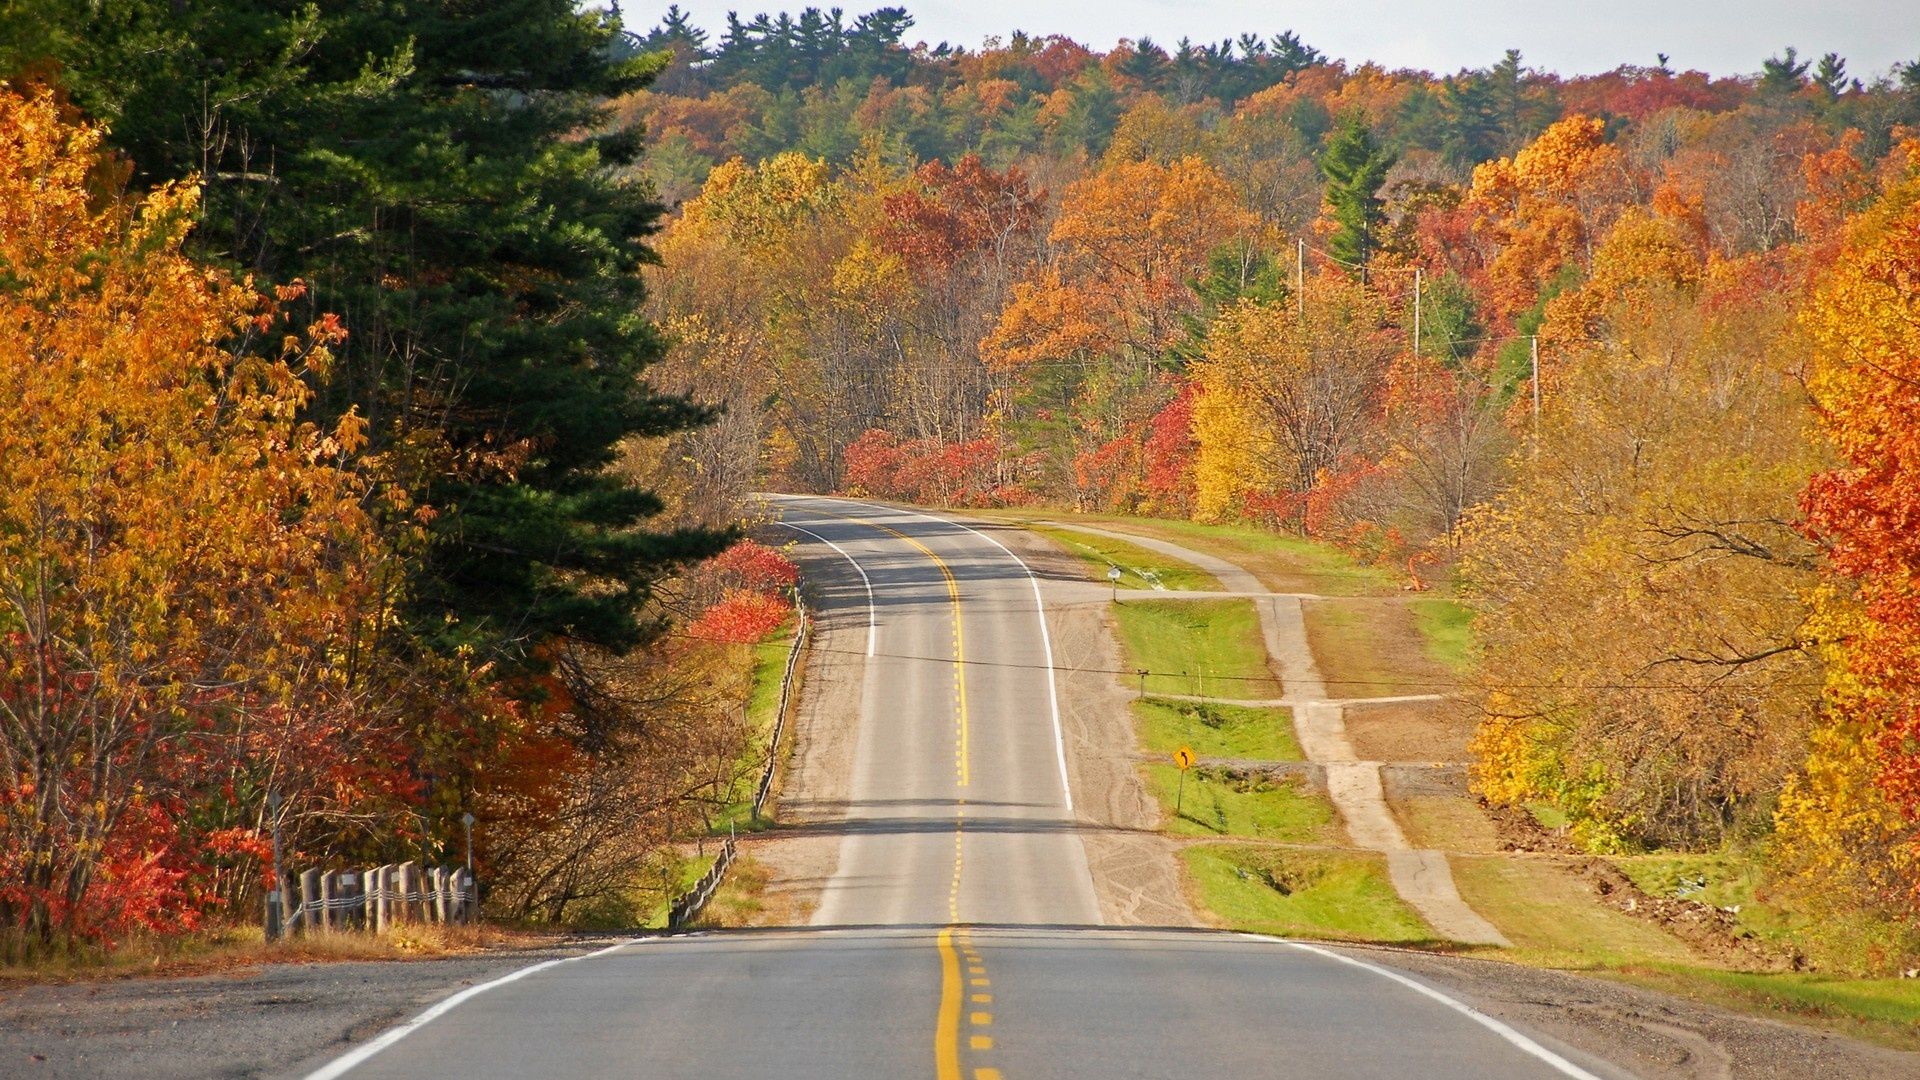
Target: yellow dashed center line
x: 946, y: 1035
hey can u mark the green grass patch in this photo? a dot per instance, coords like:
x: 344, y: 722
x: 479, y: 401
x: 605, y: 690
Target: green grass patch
x: 1205, y: 647
x: 769, y: 664
x: 1139, y: 567
x: 769, y: 659
x: 1447, y: 628
x: 1220, y: 802
x: 1302, y: 893
x: 1549, y: 914
x: 1723, y: 879
x: 1290, y: 563
x: 1215, y: 730
x: 1548, y: 816
x: 1884, y: 1001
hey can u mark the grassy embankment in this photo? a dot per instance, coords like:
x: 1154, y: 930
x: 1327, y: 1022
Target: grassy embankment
x: 769, y: 660
x: 1365, y: 638
x: 1261, y: 871
x: 739, y: 894
x: 1140, y: 568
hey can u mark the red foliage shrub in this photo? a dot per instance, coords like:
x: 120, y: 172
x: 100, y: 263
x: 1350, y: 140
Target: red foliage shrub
x: 742, y: 617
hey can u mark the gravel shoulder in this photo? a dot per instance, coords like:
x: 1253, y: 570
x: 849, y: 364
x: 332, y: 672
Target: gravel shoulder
x: 1656, y: 1035
x: 277, y: 1020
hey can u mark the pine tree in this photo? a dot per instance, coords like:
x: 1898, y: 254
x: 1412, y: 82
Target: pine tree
x: 1355, y: 167
x: 419, y: 166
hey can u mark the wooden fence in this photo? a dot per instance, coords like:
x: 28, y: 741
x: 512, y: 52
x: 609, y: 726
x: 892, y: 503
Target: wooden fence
x: 371, y: 900
x: 689, y: 906
x: 780, y: 713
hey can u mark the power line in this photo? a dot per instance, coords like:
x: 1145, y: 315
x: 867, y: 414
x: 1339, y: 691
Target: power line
x: 1427, y: 684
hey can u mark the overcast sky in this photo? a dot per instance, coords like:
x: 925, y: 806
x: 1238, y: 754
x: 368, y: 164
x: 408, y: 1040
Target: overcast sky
x: 1719, y: 36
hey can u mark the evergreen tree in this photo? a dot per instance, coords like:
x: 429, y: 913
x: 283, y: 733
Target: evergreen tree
x: 1783, y: 75
x: 1355, y: 167
x: 1831, y: 74
x: 420, y: 166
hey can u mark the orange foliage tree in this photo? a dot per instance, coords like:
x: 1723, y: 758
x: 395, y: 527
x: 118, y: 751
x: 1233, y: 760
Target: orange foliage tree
x: 1853, y: 822
x: 188, y: 574
x: 1128, y: 240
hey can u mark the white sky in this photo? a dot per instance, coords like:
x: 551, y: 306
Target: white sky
x: 1719, y: 36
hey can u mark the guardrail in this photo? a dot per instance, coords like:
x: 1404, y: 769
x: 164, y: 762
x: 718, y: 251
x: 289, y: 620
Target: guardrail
x: 690, y: 904
x: 786, y: 698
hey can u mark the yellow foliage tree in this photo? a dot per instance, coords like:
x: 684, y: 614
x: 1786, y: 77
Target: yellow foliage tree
x: 1639, y: 588
x: 187, y: 571
x: 1284, y: 400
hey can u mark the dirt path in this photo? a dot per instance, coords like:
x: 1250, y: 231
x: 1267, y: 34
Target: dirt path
x: 1423, y: 878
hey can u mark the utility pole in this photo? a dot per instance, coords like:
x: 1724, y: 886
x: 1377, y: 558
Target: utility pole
x: 1416, y: 313
x: 1300, y: 276
x: 1533, y: 358
x: 274, y: 925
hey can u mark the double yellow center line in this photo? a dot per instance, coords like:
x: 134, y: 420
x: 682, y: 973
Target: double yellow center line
x: 967, y: 998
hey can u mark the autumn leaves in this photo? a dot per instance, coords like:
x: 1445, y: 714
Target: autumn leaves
x: 188, y: 570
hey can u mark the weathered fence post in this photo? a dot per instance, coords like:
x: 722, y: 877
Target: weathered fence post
x: 409, y: 892
x: 329, y: 886
x: 383, y: 909
x: 437, y: 906
x: 309, y: 893
x: 354, y: 902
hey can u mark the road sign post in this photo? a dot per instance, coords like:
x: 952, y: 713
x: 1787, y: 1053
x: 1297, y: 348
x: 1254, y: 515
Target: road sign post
x: 1183, y: 758
x: 1113, y: 579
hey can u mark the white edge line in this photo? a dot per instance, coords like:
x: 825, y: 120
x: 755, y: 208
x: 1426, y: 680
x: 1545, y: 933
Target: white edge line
x: 1039, y: 607
x: 1525, y: 1044
x: 357, y: 1056
x: 873, y: 625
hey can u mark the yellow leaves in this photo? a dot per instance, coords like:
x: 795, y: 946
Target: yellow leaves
x: 869, y: 279
x: 1641, y: 255
x: 1644, y: 550
x: 1282, y: 400
x: 1850, y: 817
x: 758, y: 206
x: 1128, y: 238
x: 165, y: 517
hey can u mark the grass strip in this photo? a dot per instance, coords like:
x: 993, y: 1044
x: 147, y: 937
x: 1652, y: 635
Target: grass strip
x: 1315, y: 894
x: 1202, y: 647
x: 1222, y: 802
x: 1446, y: 626
x: 1214, y: 730
x: 1139, y: 567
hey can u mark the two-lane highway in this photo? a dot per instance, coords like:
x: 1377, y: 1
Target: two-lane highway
x: 961, y: 810
x: 958, y: 937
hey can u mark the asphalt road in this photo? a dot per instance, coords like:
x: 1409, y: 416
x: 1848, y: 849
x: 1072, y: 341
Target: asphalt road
x: 959, y: 936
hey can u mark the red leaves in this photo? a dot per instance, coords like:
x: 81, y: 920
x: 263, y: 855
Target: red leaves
x: 742, y: 617
x: 755, y: 566
x: 1865, y: 321
x: 955, y: 212
x: 925, y: 470
x: 752, y: 579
